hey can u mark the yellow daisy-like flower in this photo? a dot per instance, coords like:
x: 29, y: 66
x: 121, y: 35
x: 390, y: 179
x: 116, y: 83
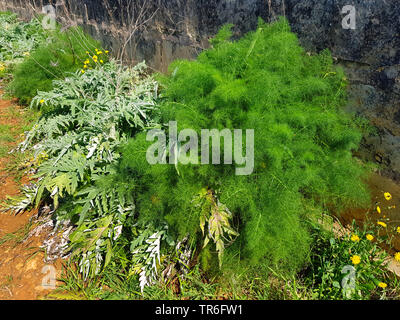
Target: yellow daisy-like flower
x: 95, y: 57
x: 354, y: 238
x: 106, y: 51
x: 355, y: 259
x: 382, y: 285
x: 86, y: 61
x: 378, y: 209
x: 370, y: 237
x: 41, y: 101
x: 101, y: 61
x: 87, y: 52
x: 85, y: 66
x: 99, y: 52
x: 382, y: 224
x: 397, y: 256
x: 83, y: 71
x: 387, y: 196
x: 398, y: 229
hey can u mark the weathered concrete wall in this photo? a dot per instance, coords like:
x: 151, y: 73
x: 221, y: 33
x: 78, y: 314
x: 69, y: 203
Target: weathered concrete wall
x: 180, y: 29
x: 177, y: 28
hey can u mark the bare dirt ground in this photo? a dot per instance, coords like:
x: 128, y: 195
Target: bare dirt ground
x: 21, y: 259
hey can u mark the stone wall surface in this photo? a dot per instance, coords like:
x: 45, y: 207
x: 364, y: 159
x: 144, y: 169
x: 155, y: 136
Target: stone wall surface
x: 163, y: 30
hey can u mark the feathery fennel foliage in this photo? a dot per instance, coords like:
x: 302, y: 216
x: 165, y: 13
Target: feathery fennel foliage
x: 92, y: 135
x: 303, y: 145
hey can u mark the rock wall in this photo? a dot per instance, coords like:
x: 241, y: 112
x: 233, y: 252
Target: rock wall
x: 163, y: 30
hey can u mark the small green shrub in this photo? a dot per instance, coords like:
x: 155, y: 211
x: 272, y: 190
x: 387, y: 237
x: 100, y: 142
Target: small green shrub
x: 303, y: 145
x: 331, y: 274
x: 85, y: 118
x: 18, y: 38
x: 63, y: 52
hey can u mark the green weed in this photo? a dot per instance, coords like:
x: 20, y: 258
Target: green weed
x: 63, y: 52
x: 349, y: 266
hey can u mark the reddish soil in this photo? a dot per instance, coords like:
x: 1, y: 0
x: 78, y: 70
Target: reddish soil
x: 21, y: 260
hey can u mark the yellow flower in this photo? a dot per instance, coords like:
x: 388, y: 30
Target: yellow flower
x: 106, y: 51
x: 354, y: 238
x: 95, y: 57
x: 370, y: 237
x: 378, y: 209
x: 26, y: 53
x: 382, y: 285
x: 387, y: 196
x: 398, y: 230
x: 85, y: 66
x: 87, y: 52
x: 99, y: 52
x: 382, y: 224
x: 86, y: 61
x: 397, y: 256
x: 41, y: 101
x: 355, y: 259
x: 101, y: 61
x: 83, y: 71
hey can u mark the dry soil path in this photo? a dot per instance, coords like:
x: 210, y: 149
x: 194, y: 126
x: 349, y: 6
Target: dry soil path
x: 21, y: 260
